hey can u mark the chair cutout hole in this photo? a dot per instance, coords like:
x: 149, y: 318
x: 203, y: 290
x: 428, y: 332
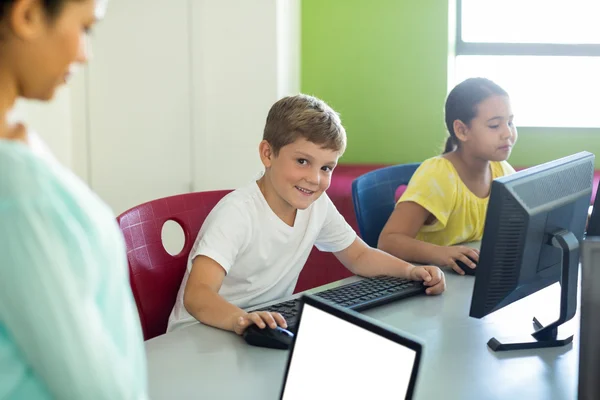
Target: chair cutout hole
x: 172, y: 237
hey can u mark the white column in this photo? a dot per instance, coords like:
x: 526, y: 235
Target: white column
x: 288, y: 47
x: 245, y: 55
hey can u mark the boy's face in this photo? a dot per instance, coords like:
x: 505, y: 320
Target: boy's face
x: 300, y: 173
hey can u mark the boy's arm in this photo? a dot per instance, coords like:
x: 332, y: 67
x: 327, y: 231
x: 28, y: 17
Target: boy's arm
x: 364, y: 260
x: 202, y: 300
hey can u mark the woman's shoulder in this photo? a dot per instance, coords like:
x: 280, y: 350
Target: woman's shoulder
x: 24, y: 174
x: 31, y: 179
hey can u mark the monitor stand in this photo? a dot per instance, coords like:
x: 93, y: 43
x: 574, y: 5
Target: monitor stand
x: 547, y: 336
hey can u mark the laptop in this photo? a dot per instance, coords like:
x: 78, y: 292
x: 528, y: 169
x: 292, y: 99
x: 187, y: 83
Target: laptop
x: 340, y: 354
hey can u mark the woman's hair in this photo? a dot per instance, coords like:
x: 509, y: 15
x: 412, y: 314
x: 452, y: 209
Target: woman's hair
x: 53, y: 7
x: 462, y: 104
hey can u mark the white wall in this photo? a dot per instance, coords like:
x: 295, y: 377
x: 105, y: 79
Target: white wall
x: 139, y: 103
x: 52, y: 122
x: 175, y: 97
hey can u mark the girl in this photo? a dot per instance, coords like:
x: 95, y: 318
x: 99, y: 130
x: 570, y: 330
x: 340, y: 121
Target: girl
x: 68, y: 325
x: 446, y: 200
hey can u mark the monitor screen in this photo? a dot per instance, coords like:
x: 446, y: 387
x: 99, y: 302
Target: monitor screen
x: 336, y: 359
x: 534, y: 223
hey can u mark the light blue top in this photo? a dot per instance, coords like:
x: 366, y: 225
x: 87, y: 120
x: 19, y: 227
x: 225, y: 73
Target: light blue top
x: 69, y: 328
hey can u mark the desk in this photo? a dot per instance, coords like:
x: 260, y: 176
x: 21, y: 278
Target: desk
x: 200, y: 362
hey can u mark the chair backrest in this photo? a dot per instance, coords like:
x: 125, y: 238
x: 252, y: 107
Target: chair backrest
x: 373, y: 195
x: 154, y: 273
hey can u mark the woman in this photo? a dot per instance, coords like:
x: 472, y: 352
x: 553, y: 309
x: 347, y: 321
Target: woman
x: 68, y: 324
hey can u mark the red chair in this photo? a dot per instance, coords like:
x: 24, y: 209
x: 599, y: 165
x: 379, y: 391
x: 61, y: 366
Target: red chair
x: 155, y: 274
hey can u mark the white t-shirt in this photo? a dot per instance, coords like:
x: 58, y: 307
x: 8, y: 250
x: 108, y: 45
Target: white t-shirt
x: 261, y: 255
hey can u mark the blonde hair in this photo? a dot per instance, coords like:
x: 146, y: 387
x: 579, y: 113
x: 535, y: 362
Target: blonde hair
x: 307, y: 117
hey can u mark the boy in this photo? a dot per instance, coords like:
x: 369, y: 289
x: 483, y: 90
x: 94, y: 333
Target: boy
x: 254, y: 243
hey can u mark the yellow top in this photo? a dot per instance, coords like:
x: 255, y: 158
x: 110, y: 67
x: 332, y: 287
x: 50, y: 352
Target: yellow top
x: 460, y: 214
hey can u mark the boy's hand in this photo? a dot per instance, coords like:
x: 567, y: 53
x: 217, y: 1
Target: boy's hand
x: 431, y: 276
x: 260, y: 318
x: 447, y: 257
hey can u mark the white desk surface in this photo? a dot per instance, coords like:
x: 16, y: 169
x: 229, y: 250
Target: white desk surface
x: 200, y: 362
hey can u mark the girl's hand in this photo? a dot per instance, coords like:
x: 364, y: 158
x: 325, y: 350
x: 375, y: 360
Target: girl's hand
x: 447, y: 257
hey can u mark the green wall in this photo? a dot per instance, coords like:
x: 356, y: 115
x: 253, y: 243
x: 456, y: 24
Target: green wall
x: 383, y: 66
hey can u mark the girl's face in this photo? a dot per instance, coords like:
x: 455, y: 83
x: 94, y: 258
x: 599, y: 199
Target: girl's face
x: 492, y: 134
x: 44, y: 50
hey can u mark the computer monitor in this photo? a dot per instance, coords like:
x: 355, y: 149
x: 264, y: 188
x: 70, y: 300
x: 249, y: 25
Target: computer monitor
x: 534, y: 224
x: 593, y: 228
x: 340, y: 354
x: 589, y: 345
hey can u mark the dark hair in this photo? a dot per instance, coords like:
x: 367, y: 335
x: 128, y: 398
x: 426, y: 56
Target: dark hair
x: 53, y: 7
x: 462, y: 104
x: 304, y: 116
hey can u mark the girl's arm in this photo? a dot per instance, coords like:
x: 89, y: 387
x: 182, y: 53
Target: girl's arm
x: 399, y: 233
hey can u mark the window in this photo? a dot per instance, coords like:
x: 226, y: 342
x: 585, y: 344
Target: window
x: 545, y: 53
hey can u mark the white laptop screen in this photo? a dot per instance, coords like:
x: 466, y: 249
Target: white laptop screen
x: 335, y: 359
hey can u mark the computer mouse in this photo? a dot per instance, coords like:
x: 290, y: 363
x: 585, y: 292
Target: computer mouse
x: 465, y: 268
x: 278, y: 338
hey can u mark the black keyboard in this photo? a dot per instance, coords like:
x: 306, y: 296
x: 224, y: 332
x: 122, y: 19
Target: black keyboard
x: 362, y: 295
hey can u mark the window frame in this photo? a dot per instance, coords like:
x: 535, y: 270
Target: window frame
x: 518, y: 49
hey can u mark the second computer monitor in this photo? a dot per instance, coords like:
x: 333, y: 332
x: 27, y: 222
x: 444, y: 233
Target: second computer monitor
x: 535, y: 221
x: 593, y: 228
x: 589, y: 345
